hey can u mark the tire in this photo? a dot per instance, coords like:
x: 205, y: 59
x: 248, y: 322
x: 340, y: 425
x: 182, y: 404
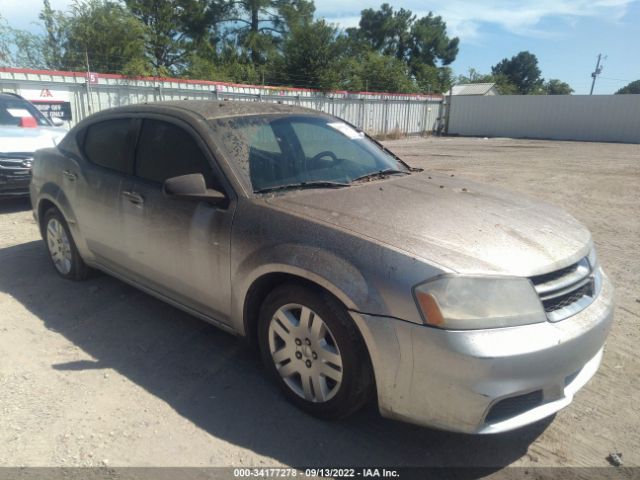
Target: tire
x: 322, y: 367
x: 62, y: 250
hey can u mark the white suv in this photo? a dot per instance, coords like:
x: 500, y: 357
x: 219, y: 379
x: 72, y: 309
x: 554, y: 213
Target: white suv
x: 23, y: 130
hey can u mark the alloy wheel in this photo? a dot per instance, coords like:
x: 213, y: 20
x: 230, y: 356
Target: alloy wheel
x: 59, y: 246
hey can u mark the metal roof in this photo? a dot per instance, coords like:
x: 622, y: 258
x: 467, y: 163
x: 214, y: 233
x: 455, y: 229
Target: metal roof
x: 472, y: 88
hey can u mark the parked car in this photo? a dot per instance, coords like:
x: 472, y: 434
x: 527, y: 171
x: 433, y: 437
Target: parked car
x: 23, y: 130
x: 460, y: 306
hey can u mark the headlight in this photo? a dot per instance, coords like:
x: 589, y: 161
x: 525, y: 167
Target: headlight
x: 468, y: 303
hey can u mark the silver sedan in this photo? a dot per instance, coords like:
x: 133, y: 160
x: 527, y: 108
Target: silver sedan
x: 459, y: 306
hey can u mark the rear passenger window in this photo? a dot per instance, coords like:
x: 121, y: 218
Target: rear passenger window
x: 108, y: 144
x: 166, y: 150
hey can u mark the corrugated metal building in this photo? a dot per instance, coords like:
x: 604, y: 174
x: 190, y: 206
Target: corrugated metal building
x: 484, y: 89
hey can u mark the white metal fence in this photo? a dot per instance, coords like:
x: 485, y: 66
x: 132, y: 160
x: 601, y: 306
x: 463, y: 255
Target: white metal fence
x: 601, y: 118
x: 71, y: 95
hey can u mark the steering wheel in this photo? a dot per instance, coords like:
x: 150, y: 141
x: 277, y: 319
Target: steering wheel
x: 326, y: 153
x: 316, y: 158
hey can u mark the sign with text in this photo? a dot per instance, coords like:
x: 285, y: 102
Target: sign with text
x: 92, y: 77
x: 52, y: 103
x: 61, y: 110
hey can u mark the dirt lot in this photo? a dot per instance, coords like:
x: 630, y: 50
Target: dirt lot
x: 99, y: 373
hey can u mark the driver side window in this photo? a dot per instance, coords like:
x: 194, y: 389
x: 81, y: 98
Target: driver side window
x: 165, y: 150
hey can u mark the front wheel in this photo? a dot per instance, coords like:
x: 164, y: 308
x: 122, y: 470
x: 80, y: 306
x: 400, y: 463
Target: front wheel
x: 314, y: 351
x: 62, y: 249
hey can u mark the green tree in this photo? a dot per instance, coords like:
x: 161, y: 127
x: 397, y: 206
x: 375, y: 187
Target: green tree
x: 55, y: 26
x: 556, y: 87
x: 402, y: 35
x: 633, y: 87
x: 174, y: 29
x: 432, y: 79
x: 380, y: 73
x: 19, y: 48
x: 260, y: 26
x: 109, y: 35
x: 522, y: 71
x: 503, y: 84
x: 310, y: 56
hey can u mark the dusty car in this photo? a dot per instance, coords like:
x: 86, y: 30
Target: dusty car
x: 459, y: 306
x: 23, y: 130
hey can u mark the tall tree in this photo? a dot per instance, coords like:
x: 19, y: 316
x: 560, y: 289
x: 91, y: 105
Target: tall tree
x: 55, y: 26
x: 19, y: 48
x: 310, y: 56
x: 173, y: 29
x: 522, y: 71
x: 388, y: 31
x: 401, y: 34
x: 633, y: 87
x: 109, y: 35
x: 261, y: 26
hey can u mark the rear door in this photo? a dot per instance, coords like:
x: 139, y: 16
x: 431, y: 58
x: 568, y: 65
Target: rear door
x: 108, y: 148
x: 178, y: 247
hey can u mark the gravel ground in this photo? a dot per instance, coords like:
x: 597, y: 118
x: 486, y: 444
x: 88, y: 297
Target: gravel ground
x: 98, y: 373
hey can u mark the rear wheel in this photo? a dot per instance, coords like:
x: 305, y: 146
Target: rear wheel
x: 314, y: 351
x: 62, y: 249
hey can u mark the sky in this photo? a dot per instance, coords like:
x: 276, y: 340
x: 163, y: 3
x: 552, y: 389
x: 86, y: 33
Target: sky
x: 565, y: 35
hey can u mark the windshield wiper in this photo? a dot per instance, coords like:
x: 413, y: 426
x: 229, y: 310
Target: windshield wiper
x: 380, y: 174
x: 293, y: 186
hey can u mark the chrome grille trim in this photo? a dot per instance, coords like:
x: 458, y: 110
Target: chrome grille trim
x: 16, y: 161
x: 567, y: 291
x: 561, y: 279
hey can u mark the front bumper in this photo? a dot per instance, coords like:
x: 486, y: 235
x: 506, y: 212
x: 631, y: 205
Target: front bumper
x: 484, y: 381
x: 14, y: 181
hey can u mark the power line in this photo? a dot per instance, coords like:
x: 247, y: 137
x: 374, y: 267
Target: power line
x: 616, y: 79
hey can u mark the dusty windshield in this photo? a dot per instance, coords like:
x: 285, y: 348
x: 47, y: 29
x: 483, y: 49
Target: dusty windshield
x: 272, y: 152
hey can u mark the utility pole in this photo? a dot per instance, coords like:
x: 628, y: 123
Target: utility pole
x: 86, y: 57
x: 595, y: 74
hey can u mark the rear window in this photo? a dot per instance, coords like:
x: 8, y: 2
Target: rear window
x: 12, y: 110
x: 109, y: 145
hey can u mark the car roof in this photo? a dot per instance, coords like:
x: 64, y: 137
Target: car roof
x: 212, y: 109
x: 10, y: 95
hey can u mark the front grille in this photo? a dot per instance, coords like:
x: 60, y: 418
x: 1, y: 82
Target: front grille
x: 510, y: 407
x: 566, y: 291
x: 556, y: 303
x: 15, y: 161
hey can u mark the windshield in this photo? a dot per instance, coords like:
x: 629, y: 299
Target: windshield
x: 311, y: 151
x: 12, y: 110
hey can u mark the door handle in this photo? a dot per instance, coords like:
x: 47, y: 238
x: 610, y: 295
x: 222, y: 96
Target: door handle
x: 133, y: 197
x: 70, y: 175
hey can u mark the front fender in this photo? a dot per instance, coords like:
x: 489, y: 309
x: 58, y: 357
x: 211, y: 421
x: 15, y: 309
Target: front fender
x: 326, y: 269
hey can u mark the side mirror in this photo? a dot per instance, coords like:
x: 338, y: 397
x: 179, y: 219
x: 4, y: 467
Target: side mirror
x: 194, y: 187
x: 57, y: 122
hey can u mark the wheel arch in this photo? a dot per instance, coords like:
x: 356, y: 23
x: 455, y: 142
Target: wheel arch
x: 265, y: 283
x: 51, y: 195
x: 44, y: 204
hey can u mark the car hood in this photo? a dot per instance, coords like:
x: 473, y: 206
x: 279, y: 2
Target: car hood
x: 20, y: 139
x: 457, y: 224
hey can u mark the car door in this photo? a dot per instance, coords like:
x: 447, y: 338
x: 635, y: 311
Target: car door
x: 107, y: 148
x: 178, y: 247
